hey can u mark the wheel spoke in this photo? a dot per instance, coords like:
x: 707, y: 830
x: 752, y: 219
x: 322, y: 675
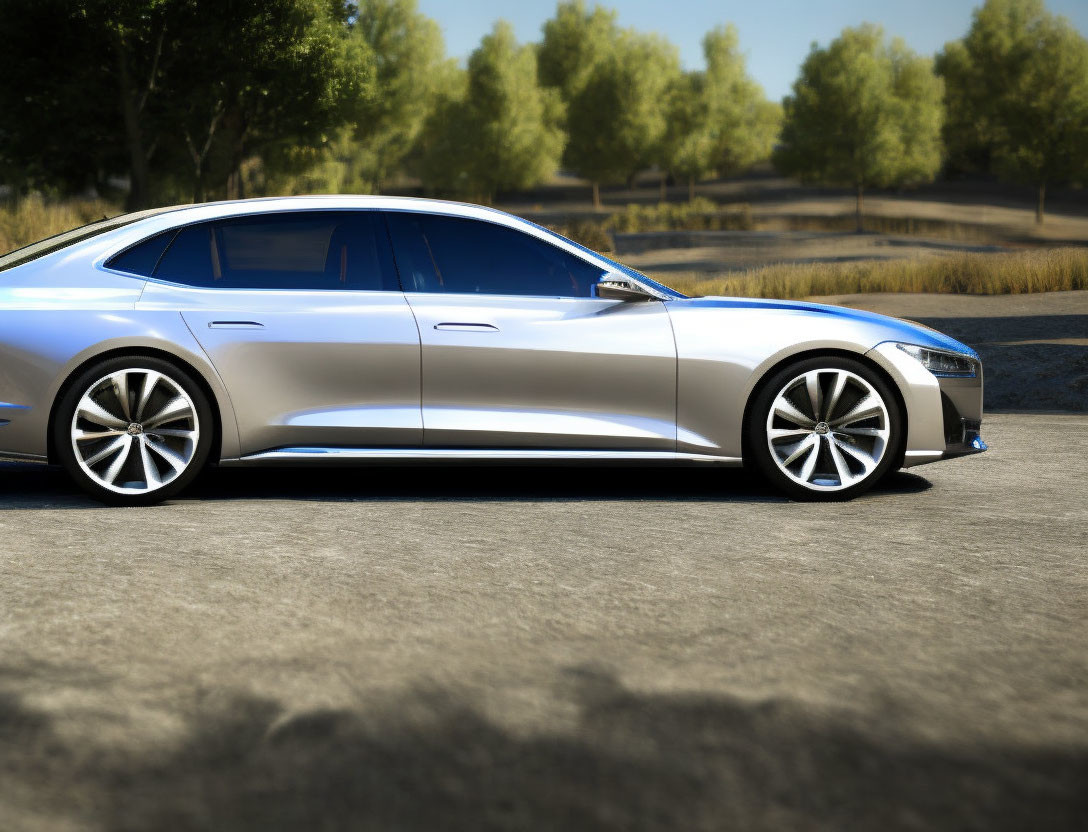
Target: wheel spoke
x: 796, y: 451
x: 176, y: 408
x: 178, y: 432
x: 815, y: 394
x: 92, y: 411
x: 843, y: 470
x: 91, y: 435
x: 866, y: 460
x: 119, y: 461
x: 810, y: 463
x: 176, y: 462
x: 836, y: 392
x: 782, y: 433
x: 867, y: 408
x: 880, y: 433
x: 151, y: 379
x: 120, y: 389
x: 151, y: 473
x: 784, y: 407
x: 112, y: 448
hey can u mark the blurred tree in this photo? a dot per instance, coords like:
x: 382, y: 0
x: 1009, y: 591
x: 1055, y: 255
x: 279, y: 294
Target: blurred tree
x: 1017, y: 96
x: 617, y: 119
x: 411, y: 72
x: 718, y: 120
x: 286, y: 83
x: 575, y: 41
x: 863, y: 114
x: 79, y: 91
x: 169, y: 83
x: 500, y: 131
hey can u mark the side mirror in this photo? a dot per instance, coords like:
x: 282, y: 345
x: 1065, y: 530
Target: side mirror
x: 616, y: 287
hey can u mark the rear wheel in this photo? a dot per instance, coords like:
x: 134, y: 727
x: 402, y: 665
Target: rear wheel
x: 133, y: 431
x: 825, y: 429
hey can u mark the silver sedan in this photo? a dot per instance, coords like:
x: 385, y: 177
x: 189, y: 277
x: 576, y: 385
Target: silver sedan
x: 325, y: 330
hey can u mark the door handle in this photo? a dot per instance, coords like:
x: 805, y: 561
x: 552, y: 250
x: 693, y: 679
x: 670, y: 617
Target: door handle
x: 235, y: 325
x: 453, y: 326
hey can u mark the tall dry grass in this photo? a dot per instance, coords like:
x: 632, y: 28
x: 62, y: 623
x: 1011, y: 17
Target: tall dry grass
x: 1012, y: 273
x: 34, y: 218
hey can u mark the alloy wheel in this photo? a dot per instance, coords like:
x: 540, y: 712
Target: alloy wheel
x: 828, y: 429
x: 135, y: 431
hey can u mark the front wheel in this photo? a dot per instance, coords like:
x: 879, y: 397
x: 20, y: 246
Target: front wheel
x: 133, y: 431
x: 824, y: 429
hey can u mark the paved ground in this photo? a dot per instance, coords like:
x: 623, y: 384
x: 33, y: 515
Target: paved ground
x: 452, y: 649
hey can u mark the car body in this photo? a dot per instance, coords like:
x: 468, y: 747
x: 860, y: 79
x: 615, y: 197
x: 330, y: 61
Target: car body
x: 383, y: 329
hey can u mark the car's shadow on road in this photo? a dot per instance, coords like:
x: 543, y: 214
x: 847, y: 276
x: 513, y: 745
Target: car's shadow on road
x: 25, y: 486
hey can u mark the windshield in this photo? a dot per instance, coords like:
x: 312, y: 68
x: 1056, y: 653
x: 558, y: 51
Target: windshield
x: 66, y: 238
x: 627, y: 270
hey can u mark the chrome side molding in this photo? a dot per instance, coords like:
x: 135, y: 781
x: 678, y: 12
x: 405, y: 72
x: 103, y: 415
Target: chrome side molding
x: 318, y: 455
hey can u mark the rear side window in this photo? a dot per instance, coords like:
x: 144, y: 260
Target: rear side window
x: 143, y: 257
x: 304, y: 250
x: 456, y: 255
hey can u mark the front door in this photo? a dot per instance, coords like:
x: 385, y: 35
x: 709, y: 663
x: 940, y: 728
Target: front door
x: 301, y: 316
x: 517, y: 353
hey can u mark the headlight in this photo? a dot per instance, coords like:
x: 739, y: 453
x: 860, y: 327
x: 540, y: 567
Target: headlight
x: 943, y: 362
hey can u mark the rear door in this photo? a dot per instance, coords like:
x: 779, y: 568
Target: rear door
x: 301, y: 315
x: 519, y: 353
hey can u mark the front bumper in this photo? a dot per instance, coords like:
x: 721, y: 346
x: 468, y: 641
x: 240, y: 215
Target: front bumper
x: 944, y: 415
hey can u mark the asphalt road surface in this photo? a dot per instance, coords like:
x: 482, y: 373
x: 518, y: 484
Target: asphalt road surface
x: 523, y: 649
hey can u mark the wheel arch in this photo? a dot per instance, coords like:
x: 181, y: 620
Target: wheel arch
x: 150, y: 352
x: 824, y: 352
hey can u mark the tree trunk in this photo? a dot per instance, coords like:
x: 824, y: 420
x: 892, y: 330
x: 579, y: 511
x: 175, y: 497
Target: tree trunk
x: 134, y: 140
x: 1039, y: 207
x: 664, y: 186
x: 858, y: 209
x: 691, y: 189
x: 596, y: 196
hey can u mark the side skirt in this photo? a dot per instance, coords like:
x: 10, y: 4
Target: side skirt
x: 392, y: 456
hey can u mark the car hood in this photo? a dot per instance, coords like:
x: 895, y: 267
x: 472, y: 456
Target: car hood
x: 891, y: 329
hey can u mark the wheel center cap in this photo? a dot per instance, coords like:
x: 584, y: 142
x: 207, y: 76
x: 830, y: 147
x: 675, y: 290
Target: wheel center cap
x: 822, y: 428
x: 135, y: 429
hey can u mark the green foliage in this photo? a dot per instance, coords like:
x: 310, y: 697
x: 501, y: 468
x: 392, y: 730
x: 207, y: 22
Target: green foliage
x: 1014, y: 273
x: 863, y: 113
x: 575, y: 40
x: 500, y: 131
x: 288, y: 80
x: 616, y: 120
x: 718, y: 120
x: 1017, y: 92
x: 166, y: 92
x: 412, y: 73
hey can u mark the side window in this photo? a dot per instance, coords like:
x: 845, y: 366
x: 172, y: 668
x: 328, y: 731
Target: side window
x: 303, y: 250
x: 144, y: 256
x: 451, y: 254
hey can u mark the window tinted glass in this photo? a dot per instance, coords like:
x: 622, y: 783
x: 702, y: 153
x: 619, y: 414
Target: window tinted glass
x: 68, y: 238
x: 451, y: 254
x: 142, y: 257
x: 304, y: 250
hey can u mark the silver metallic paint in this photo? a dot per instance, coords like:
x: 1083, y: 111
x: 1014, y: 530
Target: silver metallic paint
x: 548, y: 372
x: 578, y: 374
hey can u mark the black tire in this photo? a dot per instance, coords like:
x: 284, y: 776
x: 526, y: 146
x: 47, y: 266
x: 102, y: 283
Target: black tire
x: 759, y: 456
x: 63, y: 430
